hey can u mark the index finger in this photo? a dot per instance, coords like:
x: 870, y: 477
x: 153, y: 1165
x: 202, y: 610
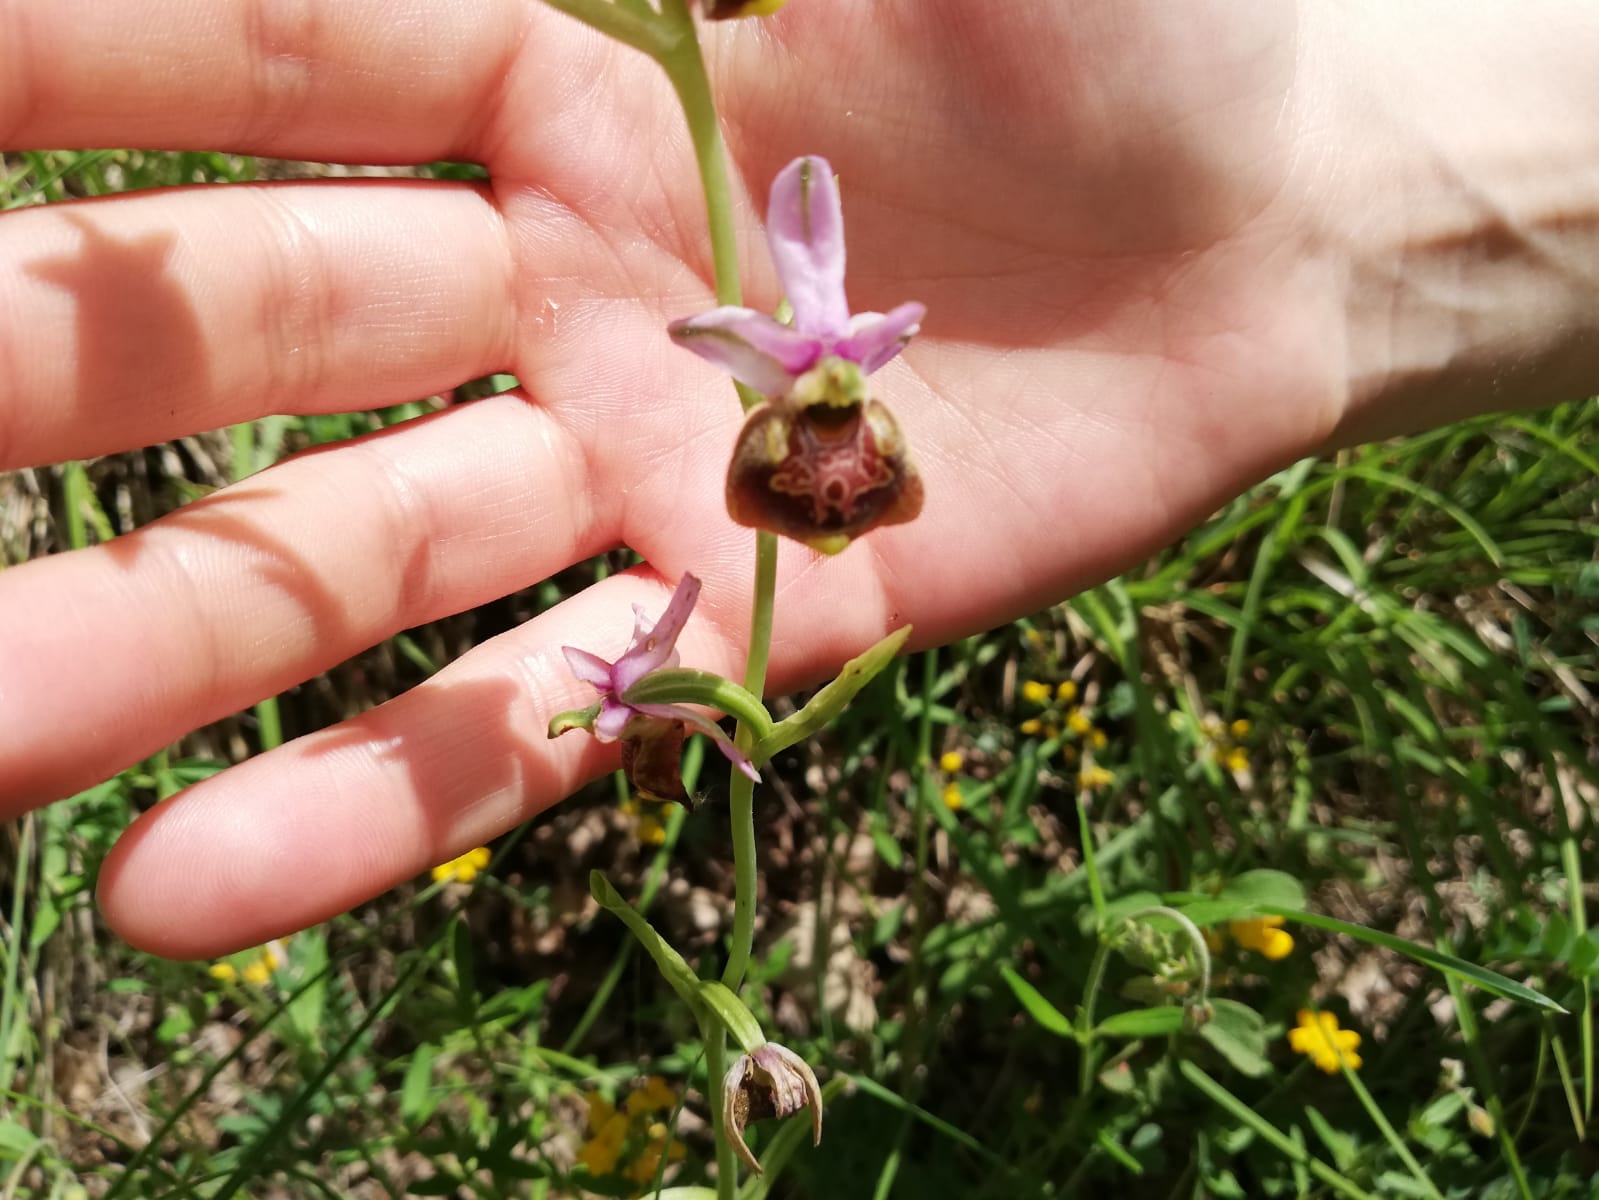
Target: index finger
x: 353, y: 81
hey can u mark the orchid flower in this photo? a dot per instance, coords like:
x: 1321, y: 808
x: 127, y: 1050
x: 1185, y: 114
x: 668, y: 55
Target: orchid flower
x: 818, y: 461
x: 651, y: 734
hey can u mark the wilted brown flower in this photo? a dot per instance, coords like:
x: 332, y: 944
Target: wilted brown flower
x: 770, y: 1081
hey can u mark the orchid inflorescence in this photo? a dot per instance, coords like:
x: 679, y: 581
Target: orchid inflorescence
x: 817, y: 460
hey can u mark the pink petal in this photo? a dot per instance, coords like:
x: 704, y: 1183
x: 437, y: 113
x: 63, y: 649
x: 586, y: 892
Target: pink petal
x: 677, y: 712
x: 590, y: 668
x: 654, y: 646
x: 749, y: 346
x: 805, y: 229
x: 613, y: 720
x: 875, y: 338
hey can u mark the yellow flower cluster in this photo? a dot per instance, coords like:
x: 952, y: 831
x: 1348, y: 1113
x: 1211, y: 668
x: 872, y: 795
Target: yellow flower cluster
x: 1226, y: 742
x: 949, y: 763
x: 1264, y: 935
x: 1091, y: 778
x: 650, y: 828
x: 1077, y: 722
x: 631, y: 1134
x: 463, y: 869
x: 1318, y: 1037
x: 258, y: 971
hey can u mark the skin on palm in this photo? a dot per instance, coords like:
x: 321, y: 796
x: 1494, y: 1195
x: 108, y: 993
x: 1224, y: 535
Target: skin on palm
x: 1135, y: 294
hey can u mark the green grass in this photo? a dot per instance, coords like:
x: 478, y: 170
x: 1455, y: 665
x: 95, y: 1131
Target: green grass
x: 999, y: 990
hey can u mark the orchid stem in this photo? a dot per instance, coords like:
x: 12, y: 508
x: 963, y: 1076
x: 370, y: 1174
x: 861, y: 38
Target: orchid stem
x: 685, y: 67
x: 625, y: 25
x: 741, y: 795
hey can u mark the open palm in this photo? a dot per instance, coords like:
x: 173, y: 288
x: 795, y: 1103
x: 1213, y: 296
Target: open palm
x: 1102, y: 211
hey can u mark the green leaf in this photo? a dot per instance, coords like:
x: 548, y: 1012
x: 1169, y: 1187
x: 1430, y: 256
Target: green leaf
x: 735, y: 1017
x: 1489, y: 981
x: 831, y: 699
x: 1245, y: 894
x: 887, y: 848
x: 307, y: 1007
x: 1119, y: 909
x: 887, y: 925
x: 16, y: 1138
x: 672, y: 967
x: 416, y: 1092
x: 1040, y: 1009
x: 1238, y: 1033
x: 1161, y: 1021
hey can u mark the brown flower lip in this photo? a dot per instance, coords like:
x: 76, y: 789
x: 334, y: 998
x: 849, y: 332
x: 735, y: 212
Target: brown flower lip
x: 822, y: 471
x: 770, y: 1081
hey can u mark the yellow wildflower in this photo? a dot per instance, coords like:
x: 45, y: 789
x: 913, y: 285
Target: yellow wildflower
x: 644, y: 1167
x: 463, y: 869
x: 1095, y: 777
x: 1078, y: 722
x: 1239, y: 728
x: 1236, y: 759
x: 1035, y: 692
x: 609, y: 1130
x: 1097, y: 739
x: 950, y: 762
x: 952, y: 795
x: 258, y: 972
x: 651, y: 831
x: 223, y: 972
x: 654, y: 1096
x: 1066, y: 692
x: 1319, y: 1037
x: 1031, y: 727
x: 1264, y: 935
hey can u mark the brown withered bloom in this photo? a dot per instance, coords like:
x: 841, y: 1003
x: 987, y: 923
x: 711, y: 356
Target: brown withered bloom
x: 770, y: 1081
x: 818, y: 461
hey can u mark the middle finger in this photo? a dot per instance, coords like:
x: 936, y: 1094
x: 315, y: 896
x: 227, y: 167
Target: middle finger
x: 136, y: 319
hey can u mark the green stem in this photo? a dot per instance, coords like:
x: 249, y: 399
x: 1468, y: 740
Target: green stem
x: 685, y: 67
x: 1096, y: 978
x: 1389, y: 1133
x: 716, y: 1069
x: 741, y: 793
x: 1269, y: 1133
x: 653, y: 37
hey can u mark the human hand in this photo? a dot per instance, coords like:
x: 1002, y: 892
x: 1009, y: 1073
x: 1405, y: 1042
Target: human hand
x: 1133, y: 280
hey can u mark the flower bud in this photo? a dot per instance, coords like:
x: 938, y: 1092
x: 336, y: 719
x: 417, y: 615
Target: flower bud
x: 822, y: 464
x: 770, y: 1081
